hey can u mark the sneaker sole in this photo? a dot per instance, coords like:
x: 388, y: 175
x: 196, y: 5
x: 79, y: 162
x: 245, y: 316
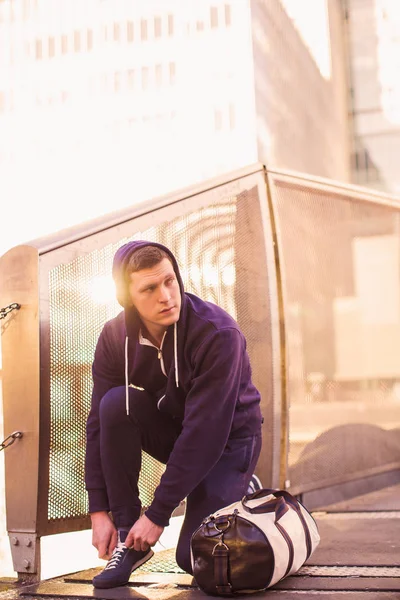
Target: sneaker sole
x: 107, y: 585
x: 141, y: 562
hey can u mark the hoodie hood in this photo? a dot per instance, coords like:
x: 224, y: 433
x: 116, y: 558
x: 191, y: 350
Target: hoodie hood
x: 120, y: 263
x: 132, y: 319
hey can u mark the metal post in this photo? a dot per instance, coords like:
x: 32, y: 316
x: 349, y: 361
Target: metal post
x: 21, y: 386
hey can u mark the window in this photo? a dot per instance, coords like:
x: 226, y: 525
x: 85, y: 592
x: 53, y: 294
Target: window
x: 158, y: 70
x: 131, y: 79
x: 129, y: 31
x: 89, y: 39
x: 117, y: 82
x: 145, y: 78
x: 364, y: 166
x: 26, y: 10
x: 214, y: 17
x: 77, y: 41
x: 143, y: 30
x: 228, y: 15
x: 117, y: 32
x: 232, y: 117
x: 52, y: 47
x: 157, y: 27
x: 38, y: 49
x: 64, y: 44
x: 199, y: 25
x: 170, y: 24
x: 172, y: 73
x: 217, y: 120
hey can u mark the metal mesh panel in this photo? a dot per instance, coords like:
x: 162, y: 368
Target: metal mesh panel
x: 340, y: 261
x: 210, y: 244
x: 162, y: 562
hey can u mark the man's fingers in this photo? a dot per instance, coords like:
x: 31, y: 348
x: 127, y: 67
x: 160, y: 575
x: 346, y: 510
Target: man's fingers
x: 103, y: 551
x: 113, y: 542
x: 136, y: 544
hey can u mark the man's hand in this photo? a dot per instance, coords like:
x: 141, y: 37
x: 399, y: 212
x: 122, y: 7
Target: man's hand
x: 143, y: 534
x: 104, y: 534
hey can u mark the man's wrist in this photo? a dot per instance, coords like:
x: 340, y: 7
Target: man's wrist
x: 99, y: 514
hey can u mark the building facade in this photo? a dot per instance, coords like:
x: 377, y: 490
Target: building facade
x: 104, y: 104
x: 300, y: 86
x: 373, y: 34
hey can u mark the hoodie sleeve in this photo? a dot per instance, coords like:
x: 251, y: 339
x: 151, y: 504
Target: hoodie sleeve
x: 209, y: 410
x: 106, y: 375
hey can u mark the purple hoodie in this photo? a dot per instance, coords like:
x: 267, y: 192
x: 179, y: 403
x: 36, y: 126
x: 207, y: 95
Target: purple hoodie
x: 208, y: 388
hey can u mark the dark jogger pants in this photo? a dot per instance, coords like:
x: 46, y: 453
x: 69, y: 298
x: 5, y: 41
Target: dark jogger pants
x: 122, y: 439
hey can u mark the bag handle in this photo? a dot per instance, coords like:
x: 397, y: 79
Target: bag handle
x: 281, y: 494
x: 288, y: 500
x: 276, y: 505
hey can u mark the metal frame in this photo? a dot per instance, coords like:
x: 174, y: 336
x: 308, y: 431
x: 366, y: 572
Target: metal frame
x: 28, y: 518
x: 24, y: 273
x: 21, y: 402
x: 85, y: 230
x: 280, y: 405
x: 276, y: 177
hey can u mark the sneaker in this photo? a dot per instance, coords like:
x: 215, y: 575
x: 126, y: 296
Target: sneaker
x: 121, y: 564
x: 254, y: 485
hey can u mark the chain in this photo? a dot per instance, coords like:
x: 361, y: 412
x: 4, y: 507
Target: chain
x: 10, y: 439
x: 4, y: 311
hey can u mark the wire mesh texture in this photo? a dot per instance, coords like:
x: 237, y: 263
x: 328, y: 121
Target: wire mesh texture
x: 213, y: 248
x: 340, y: 265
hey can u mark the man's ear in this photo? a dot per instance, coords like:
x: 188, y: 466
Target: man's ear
x: 122, y: 291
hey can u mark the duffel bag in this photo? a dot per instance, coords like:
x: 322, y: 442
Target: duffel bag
x: 252, y: 544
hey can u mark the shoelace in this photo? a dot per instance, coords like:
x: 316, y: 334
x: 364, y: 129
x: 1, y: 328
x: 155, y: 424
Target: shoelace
x: 116, y: 556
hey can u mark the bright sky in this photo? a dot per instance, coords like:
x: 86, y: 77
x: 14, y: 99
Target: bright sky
x: 388, y: 31
x: 311, y: 19
x: 110, y: 121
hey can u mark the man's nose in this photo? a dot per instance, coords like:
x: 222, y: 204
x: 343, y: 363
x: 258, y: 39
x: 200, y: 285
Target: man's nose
x: 164, y: 294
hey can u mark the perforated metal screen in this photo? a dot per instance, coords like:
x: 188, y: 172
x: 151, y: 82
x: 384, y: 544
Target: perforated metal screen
x: 220, y: 249
x: 336, y: 259
x: 341, y: 282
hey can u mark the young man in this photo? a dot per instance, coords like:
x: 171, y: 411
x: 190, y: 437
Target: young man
x: 171, y: 377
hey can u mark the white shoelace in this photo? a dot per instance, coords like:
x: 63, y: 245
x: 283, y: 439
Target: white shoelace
x: 116, y: 556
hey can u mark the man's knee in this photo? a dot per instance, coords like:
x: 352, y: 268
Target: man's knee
x: 183, y: 558
x: 113, y: 405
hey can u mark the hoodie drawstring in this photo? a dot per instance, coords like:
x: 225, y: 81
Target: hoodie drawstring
x: 176, y: 354
x: 126, y: 376
x: 127, y: 366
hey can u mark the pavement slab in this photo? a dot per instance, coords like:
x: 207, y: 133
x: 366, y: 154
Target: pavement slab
x: 357, y: 540
x: 387, y: 499
x: 358, y: 559
x: 78, y: 591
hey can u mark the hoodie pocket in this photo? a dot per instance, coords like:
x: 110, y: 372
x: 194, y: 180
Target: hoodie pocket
x: 240, y: 452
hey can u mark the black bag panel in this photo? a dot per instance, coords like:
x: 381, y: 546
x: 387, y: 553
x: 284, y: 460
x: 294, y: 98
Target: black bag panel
x: 250, y: 564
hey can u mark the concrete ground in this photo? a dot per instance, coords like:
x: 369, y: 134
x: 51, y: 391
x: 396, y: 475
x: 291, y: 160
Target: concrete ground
x: 358, y: 559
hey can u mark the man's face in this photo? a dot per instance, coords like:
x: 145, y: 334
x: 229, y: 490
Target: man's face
x: 156, y: 296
